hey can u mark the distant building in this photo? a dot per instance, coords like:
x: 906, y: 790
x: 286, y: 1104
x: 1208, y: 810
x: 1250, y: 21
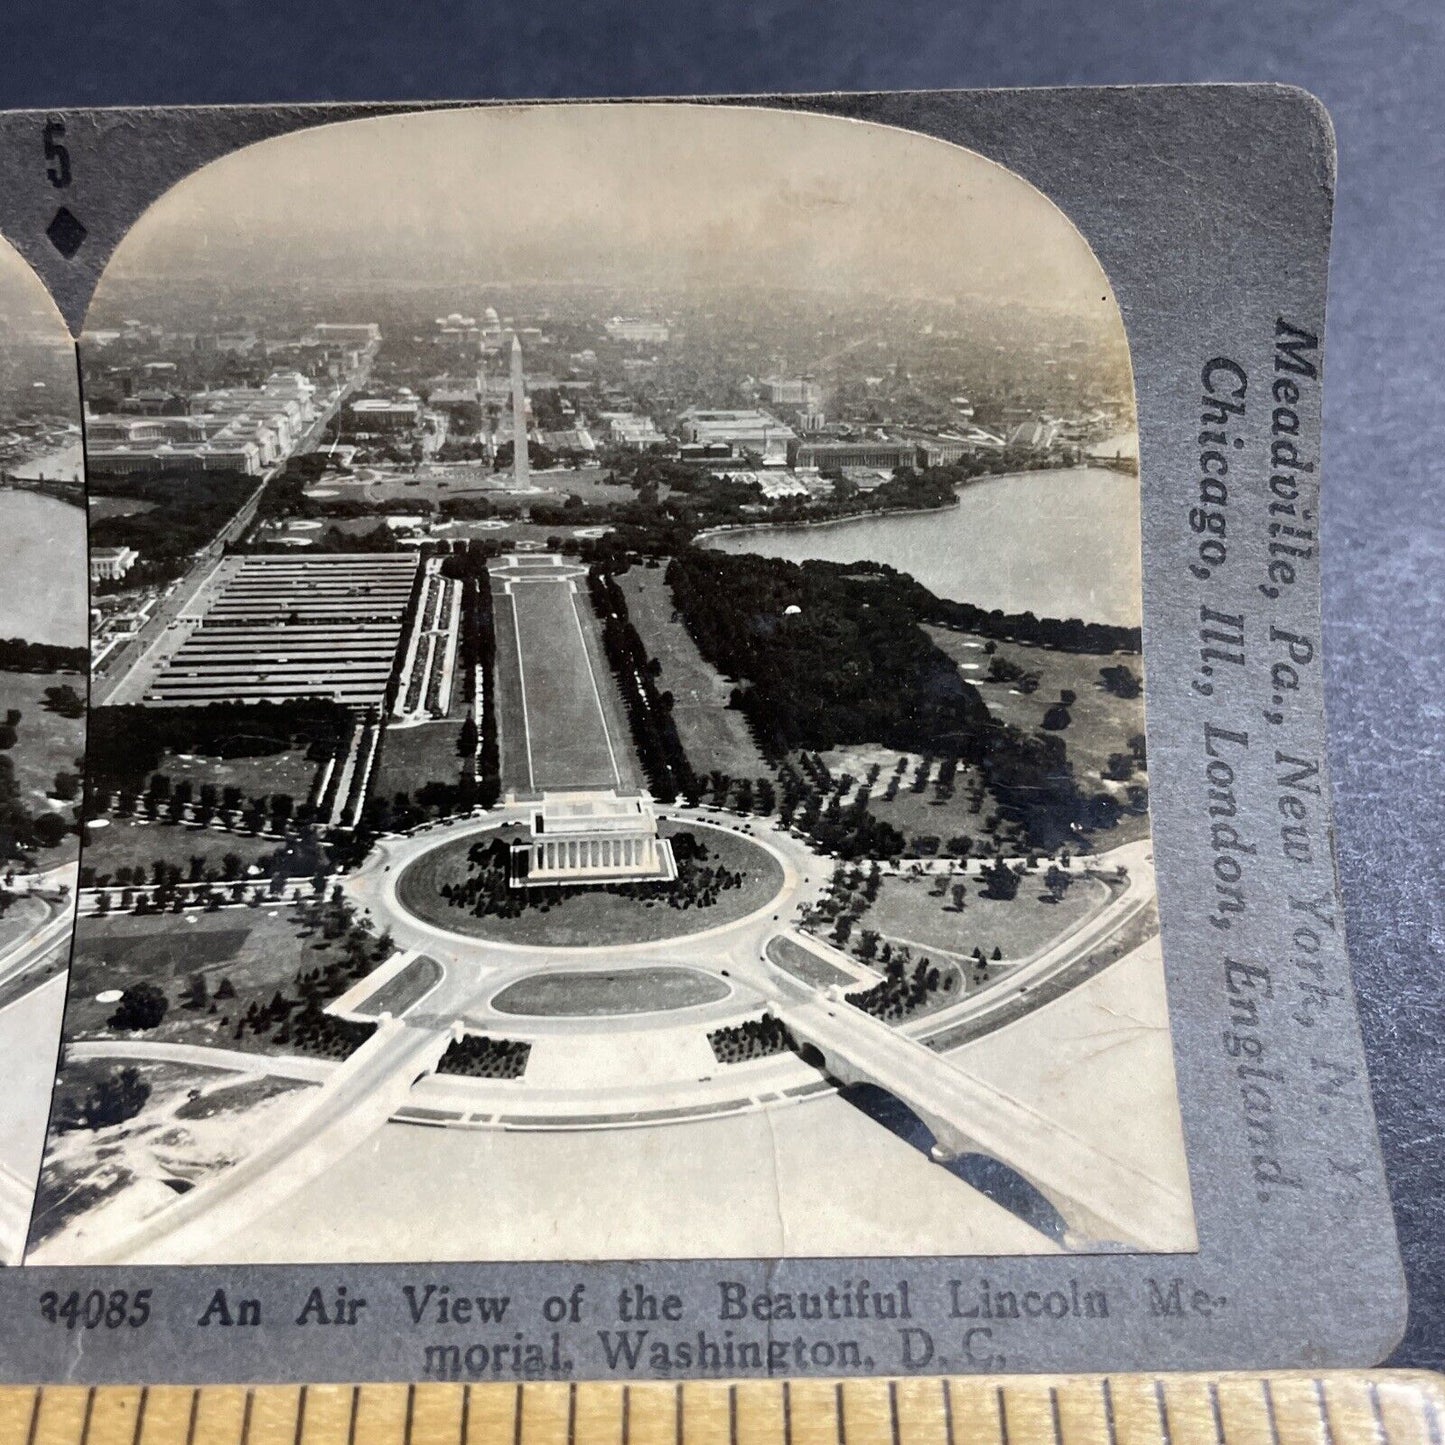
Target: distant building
x: 345, y: 333
x: 576, y: 442
x: 800, y: 391
x: 635, y: 329
x: 186, y: 458
x: 457, y: 327
x: 110, y: 564
x: 632, y: 429
x: 1035, y: 435
x: 753, y: 431
x: 836, y: 456
x: 386, y: 415
x: 774, y: 484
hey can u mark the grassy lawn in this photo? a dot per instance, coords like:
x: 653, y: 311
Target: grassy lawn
x: 48, y: 744
x: 598, y: 995
x: 412, y: 757
x: 803, y: 963
x: 907, y: 912
x: 122, y: 843
x: 575, y: 730
x: 915, y: 814
x: 592, y: 916
x: 713, y: 734
x: 403, y: 989
x: 290, y: 772
x: 20, y: 920
x: 435, y: 482
x: 1100, y: 723
x: 259, y: 950
x: 101, y: 509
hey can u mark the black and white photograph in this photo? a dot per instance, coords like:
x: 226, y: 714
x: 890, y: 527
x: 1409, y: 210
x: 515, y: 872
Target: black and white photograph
x: 42, y: 715
x: 615, y: 665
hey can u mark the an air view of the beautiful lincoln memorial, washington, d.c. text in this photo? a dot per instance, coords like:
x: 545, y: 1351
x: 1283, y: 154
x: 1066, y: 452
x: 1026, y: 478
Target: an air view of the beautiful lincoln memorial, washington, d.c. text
x: 615, y: 672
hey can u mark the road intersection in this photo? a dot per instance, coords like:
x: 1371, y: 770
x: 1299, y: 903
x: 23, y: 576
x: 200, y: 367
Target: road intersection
x: 649, y: 1069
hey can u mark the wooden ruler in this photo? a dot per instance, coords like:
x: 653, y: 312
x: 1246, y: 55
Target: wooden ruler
x: 1340, y: 1408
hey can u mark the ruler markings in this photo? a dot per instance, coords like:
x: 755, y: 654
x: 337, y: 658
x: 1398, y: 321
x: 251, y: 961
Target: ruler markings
x: 1270, y: 1412
x: 1106, y: 1392
x: 34, y: 1419
x: 1166, y: 1433
x: 1402, y: 1419
x: 1431, y: 1413
x: 1216, y: 1411
x: 1326, y: 1428
x: 191, y: 1416
x: 1347, y: 1408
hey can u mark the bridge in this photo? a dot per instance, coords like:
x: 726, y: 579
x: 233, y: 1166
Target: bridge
x: 1104, y: 1201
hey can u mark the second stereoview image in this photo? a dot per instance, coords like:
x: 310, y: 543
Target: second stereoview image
x: 42, y: 715
x: 607, y: 687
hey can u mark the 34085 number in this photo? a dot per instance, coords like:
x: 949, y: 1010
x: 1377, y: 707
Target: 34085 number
x: 96, y: 1310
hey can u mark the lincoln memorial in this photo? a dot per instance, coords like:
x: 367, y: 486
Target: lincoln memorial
x: 592, y: 837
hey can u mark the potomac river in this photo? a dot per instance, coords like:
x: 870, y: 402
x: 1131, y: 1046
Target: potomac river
x: 1059, y: 543
x: 42, y: 569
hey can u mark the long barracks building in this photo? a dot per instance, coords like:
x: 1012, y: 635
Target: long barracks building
x: 269, y: 628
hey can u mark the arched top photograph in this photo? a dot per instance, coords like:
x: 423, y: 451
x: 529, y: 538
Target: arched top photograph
x: 627, y: 653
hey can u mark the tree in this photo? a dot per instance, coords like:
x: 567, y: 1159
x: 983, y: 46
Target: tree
x: 960, y: 892
x: 113, y: 1099
x: 1120, y: 680
x: 66, y: 786
x: 1120, y: 767
x: 1057, y: 882
x: 196, y: 996
x: 8, y: 736
x: 64, y: 699
x: 1057, y: 718
x: 141, y: 1006
x: 49, y: 828
x: 1000, y: 881
x: 467, y: 738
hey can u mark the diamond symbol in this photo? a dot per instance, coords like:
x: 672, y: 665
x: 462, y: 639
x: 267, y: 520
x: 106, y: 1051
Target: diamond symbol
x: 65, y: 232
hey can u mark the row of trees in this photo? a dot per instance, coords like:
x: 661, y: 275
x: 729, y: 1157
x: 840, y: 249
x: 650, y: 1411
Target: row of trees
x: 485, y: 1056
x: 903, y: 992
x: 758, y: 1038
x: 649, y: 711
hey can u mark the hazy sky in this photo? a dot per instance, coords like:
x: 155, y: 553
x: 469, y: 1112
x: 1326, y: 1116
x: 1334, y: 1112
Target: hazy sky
x: 620, y: 193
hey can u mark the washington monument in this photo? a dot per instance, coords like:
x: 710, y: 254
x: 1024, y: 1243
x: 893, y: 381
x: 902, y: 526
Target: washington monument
x: 521, y: 470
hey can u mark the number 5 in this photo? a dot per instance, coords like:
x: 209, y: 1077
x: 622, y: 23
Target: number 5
x: 57, y: 156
